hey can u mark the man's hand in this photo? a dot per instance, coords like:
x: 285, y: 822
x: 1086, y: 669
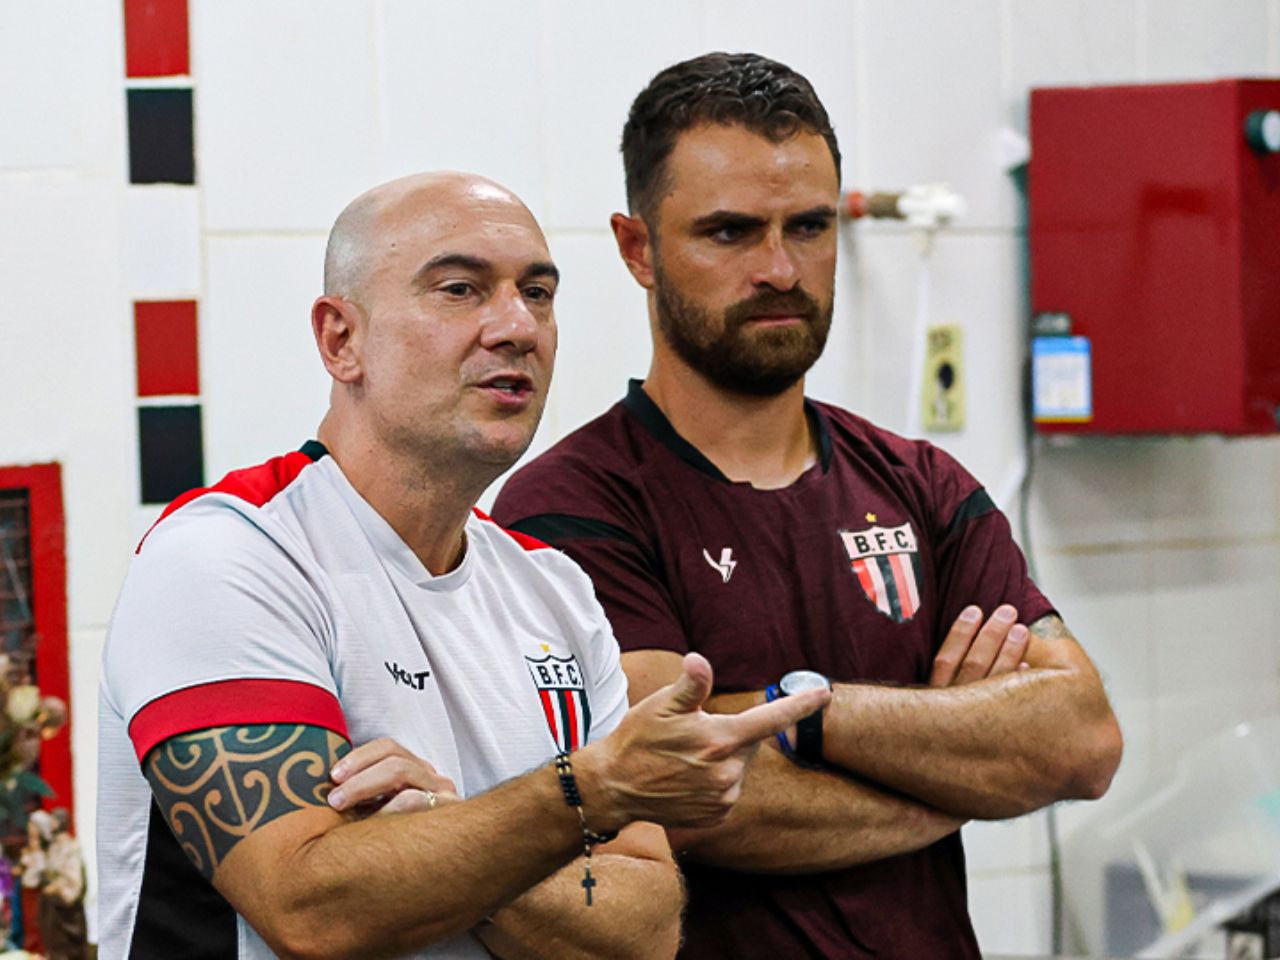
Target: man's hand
x: 973, y: 650
x: 383, y: 777
x: 672, y: 763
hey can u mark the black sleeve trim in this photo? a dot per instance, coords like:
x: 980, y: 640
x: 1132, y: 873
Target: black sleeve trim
x: 314, y: 449
x: 554, y: 528
x: 977, y: 504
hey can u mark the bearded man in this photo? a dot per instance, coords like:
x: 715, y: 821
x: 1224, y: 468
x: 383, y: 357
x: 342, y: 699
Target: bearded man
x: 794, y: 544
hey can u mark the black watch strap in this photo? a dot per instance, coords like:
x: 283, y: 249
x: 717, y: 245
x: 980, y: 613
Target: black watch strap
x: 809, y: 738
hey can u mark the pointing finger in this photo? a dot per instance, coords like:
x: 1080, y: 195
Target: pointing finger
x: 765, y: 720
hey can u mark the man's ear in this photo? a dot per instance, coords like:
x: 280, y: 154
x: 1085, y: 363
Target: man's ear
x: 334, y: 323
x: 632, y: 234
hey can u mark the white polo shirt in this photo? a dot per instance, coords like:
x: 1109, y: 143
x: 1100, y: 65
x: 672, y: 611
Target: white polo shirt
x: 280, y: 596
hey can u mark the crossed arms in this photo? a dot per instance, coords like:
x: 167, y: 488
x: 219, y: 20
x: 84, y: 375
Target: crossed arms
x: 316, y: 881
x: 1013, y: 719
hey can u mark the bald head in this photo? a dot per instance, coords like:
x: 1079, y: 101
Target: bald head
x: 437, y: 325
x: 371, y: 225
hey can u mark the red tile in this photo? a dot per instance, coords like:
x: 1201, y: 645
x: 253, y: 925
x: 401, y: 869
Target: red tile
x: 165, y: 340
x: 156, y: 38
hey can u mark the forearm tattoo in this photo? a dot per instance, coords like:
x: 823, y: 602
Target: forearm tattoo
x: 216, y: 786
x: 1050, y: 627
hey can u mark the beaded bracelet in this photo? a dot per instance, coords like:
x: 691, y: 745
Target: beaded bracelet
x: 573, y: 798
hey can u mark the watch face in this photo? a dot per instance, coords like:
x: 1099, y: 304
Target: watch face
x: 1271, y: 130
x: 797, y: 681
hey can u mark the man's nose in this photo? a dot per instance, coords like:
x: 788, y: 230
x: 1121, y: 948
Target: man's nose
x: 776, y: 266
x: 510, y: 321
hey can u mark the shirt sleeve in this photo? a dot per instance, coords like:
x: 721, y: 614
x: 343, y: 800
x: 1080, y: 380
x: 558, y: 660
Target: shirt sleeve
x: 218, y: 625
x: 609, y: 683
x: 977, y: 560
x: 594, y: 523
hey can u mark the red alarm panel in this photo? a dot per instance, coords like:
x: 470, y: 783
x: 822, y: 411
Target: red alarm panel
x: 1155, y: 228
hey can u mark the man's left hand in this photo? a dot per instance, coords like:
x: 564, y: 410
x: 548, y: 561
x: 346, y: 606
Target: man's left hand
x: 974, y: 650
x: 381, y: 776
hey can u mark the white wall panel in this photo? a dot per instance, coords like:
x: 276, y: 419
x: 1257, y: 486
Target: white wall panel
x: 1204, y: 39
x: 265, y: 389
x: 931, y: 101
x: 1214, y: 611
x: 59, y: 106
x: 1214, y: 488
x: 163, y: 243
x: 1059, y: 44
x: 66, y: 326
x: 1093, y: 491
x: 1001, y: 846
x: 461, y: 88
x: 1011, y: 912
x: 604, y: 328
x: 597, y: 57
x: 286, y: 113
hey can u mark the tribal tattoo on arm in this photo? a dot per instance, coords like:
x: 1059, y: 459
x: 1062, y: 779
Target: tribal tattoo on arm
x: 1051, y: 627
x: 217, y: 786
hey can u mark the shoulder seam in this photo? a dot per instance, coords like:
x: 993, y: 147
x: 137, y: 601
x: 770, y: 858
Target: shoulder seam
x: 528, y: 542
x: 281, y: 471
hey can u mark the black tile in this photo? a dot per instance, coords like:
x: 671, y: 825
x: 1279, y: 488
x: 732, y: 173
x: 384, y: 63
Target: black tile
x: 161, y: 142
x: 171, y: 451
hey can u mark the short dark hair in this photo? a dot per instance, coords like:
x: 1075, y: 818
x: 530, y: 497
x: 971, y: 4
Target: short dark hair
x: 760, y: 94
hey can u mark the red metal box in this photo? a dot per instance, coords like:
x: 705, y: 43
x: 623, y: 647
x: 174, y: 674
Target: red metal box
x: 1155, y: 226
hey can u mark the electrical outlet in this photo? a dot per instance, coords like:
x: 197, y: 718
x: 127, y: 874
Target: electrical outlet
x: 942, y: 393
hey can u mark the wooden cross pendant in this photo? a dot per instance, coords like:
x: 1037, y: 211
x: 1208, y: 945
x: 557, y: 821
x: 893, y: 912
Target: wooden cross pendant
x: 588, y: 882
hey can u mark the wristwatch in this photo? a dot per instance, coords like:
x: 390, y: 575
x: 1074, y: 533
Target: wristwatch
x: 808, y: 747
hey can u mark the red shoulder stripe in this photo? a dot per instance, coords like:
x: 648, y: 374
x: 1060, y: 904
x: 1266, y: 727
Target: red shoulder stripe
x: 227, y: 703
x: 255, y: 485
x: 526, y: 541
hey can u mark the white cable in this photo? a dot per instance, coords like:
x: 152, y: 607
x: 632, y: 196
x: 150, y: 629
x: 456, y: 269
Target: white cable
x: 919, y: 344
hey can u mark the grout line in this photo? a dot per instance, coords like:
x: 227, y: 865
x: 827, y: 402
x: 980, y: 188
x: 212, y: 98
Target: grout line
x: 170, y: 400
x: 1143, y: 546
x: 177, y: 81
x: 1007, y: 91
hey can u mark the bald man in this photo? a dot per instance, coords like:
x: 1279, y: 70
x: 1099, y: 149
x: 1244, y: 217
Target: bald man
x: 345, y: 714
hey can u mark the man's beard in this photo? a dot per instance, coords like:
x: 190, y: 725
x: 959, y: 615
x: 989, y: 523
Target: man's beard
x: 761, y: 362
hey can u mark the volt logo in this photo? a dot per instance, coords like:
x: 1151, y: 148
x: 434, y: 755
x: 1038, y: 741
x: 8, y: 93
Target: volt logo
x: 415, y: 681
x: 725, y: 565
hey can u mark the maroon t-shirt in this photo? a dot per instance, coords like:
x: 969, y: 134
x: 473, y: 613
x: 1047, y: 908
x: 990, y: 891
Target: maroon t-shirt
x: 856, y: 570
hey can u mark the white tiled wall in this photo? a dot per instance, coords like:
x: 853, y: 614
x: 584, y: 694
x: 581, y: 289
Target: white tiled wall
x: 264, y: 388
x: 287, y: 114
x: 1163, y: 554
x: 162, y: 249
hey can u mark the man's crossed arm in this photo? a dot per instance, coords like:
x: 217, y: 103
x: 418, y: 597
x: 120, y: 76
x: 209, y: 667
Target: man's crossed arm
x: 248, y: 805
x: 1013, y: 718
